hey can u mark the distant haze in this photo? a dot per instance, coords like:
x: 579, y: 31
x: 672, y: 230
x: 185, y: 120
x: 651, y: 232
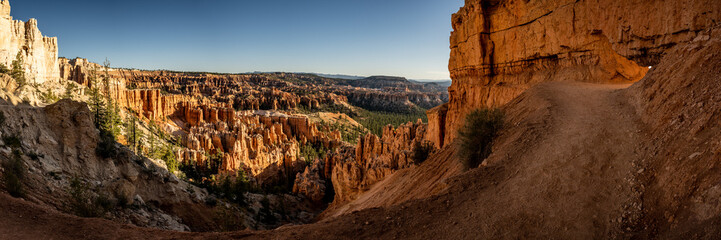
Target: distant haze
x: 406, y: 38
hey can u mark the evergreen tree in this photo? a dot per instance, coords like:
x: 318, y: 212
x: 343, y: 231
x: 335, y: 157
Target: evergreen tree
x: 17, y: 72
x: 168, y: 155
x: 4, y: 69
x: 113, y: 121
x: 134, y: 135
x: 69, y: 90
x: 95, y: 101
x: 106, y: 123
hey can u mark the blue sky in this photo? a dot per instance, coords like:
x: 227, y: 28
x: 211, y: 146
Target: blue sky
x: 364, y: 37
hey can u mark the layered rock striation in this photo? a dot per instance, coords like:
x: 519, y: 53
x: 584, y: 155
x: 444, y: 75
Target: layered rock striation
x: 501, y: 48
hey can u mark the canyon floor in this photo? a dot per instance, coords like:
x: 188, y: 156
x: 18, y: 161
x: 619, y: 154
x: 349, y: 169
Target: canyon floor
x: 565, y: 165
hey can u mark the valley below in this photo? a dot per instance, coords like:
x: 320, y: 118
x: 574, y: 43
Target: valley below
x: 609, y: 129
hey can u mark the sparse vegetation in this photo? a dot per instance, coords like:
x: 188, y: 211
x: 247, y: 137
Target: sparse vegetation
x: 265, y: 214
x: 106, y: 146
x: 17, y: 72
x: 376, y: 121
x: 106, y: 120
x: 334, y: 108
x: 202, y: 174
x: 228, y: 220
x: 477, y: 135
x: 70, y: 89
x: 49, y: 96
x: 83, y: 204
x: 14, y: 173
x: 310, y: 152
x: 421, y: 151
x: 233, y: 188
x: 13, y: 141
x: 134, y: 136
x: 348, y: 132
x: 4, y: 69
x: 169, y: 158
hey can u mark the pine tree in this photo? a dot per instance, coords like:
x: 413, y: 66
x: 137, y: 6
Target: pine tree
x: 96, y: 101
x: 4, y: 69
x: 17, y: 72
x: 135, y: 135
x: 113, y: 121
x: 105, y: 122
x: 69, y: 90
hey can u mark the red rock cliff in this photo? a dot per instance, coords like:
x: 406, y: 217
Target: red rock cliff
x: 501, y: 48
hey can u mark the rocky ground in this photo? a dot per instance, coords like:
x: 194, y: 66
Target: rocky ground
x: 575, y: 160
x: 595, y: 143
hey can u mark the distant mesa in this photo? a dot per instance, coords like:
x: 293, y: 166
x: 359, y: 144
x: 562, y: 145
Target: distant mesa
x: 386, y: 79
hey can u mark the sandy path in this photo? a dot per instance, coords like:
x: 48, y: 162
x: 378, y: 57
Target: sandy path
x: 577, y: 178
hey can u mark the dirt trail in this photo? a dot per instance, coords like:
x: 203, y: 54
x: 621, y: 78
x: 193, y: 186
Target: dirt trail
x: 577, y: 179
x: 564, y: 167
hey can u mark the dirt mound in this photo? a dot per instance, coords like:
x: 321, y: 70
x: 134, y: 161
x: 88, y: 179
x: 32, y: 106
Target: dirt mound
x: 680, y: 100
x: 417, y: 182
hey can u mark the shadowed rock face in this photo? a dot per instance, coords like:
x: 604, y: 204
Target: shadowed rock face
x: 501, y: 48
x: 63, y: 139
x: 40, y: 54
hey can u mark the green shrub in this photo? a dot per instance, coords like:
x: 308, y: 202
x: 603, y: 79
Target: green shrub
x: 309, y: 152
x: 106, y: 147
x: 14, y: 173
x: 421, y: 151
x: 477, y: 135
x: 4, y: 69
x: 12, y: 141
x: 83, y: 205
x: 49, y: 97
x: 232, y: 188
x: 169, y: 158
x: 70, y: 89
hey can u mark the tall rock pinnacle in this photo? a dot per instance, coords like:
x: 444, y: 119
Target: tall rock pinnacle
x: 5, y: 8
x: 39, y: 52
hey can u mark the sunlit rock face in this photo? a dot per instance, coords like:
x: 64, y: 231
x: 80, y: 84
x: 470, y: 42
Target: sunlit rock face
x: 354, y: 171
x: 39, y: 53
x: 501, y: 48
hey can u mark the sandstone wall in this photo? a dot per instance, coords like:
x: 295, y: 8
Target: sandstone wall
x: 354, y: 171
x: 501, y: 48
x: 40, y: 53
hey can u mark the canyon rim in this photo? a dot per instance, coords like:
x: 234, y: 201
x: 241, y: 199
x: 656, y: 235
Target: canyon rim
x: 562, y: 120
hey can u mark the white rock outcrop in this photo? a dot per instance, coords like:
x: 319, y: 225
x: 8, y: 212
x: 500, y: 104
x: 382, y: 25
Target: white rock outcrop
x: 40, y: 53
